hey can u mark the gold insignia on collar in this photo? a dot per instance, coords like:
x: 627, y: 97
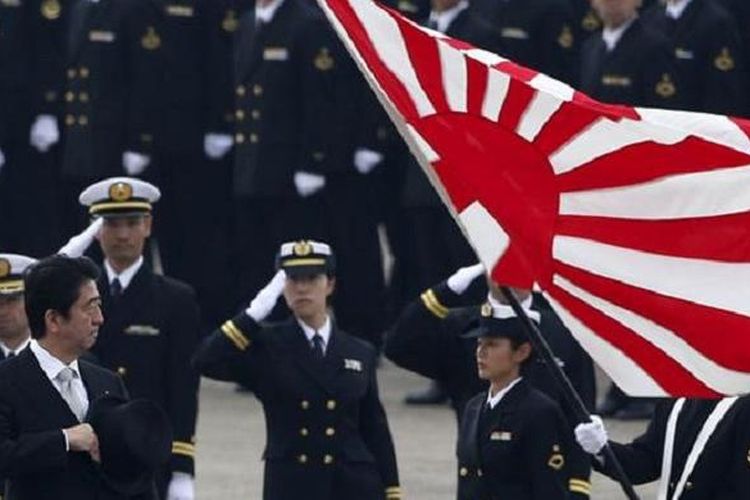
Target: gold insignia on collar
x: 4, y: 268
x: 324, y: 61
x: 486, y: 310
x: 230, y: 22
x: 556, y: 461
x: 665, y: 88
x: 591, y: 21
x: 302, y: 248
x: 120, y: 191
x: 151, y: 40
x: 724, y: 61
x: 566, y: 37
x: 51, y: 9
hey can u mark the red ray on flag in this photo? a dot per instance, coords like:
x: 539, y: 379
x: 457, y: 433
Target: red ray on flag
x: 634, y: 222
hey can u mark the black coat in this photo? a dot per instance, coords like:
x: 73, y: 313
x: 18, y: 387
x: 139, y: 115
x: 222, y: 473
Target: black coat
x: 624, y: 75
x: 538, y: 34
x: 708, y: 56
x: 148, y: 337
x: 32, y: 445
x: 515, y: 451
x: 284, y: 86
x: 722, y: 471
x: 16, y: 20
x: 113, y: 84
x: 327, y: 432
x: 432, y: 346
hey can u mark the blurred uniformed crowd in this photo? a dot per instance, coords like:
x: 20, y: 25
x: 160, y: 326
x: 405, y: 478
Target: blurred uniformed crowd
x: 258, y: 129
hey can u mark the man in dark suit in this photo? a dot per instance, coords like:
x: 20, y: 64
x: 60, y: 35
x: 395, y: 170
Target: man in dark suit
x: 153, y: 322
x: 328, y: 435
x: 47, y: 450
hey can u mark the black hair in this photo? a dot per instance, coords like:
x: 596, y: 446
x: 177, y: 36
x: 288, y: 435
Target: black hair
x: 54, y: 283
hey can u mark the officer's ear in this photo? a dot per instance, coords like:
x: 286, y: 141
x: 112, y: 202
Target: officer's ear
x: 147, y: 221
x: 331, y: 285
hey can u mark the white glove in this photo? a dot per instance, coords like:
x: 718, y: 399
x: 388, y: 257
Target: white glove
x: 264, y: 302
x: 78, y: 244
x: 44, y: 133
x: 308, y: 184
x: 461, y: 279
x: 217, y: 145
x: 181, y: 487
x: 2, y: 159
x: 365, y: 160
x: 135, y: 163
x: 592, y: 436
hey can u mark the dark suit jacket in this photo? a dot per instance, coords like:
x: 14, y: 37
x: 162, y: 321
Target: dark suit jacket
x: 327, y: 432
x: 148, y: 337
x: 32, y: 445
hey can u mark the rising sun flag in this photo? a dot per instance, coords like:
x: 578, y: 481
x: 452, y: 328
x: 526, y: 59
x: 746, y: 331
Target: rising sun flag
x: 634, y: 222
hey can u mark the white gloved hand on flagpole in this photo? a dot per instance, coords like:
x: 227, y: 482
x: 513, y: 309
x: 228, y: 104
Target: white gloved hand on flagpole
x: 592, y: 436
x: 78, y: 244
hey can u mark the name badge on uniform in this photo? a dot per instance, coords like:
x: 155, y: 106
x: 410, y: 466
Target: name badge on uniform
x: 276, y: 54
x: 514, y: 33
x: 616, y: 81
x: 10, y: 3
x: 142, y: 330
x: 102, y: 36
x: 180, y: 10
x: 680, y: 53
x: 353, y: 364
x: 501, y: 436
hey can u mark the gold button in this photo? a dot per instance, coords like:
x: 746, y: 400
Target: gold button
x: 240, y: 90
x: 70, y: 120
x: 72, y: 74
x: 688, y: 485
x: 254, y: 138
x: 331, y: 404
x: 328, y: 459
x: 83, y: 97
x: 463, y: 471
x: 302, y: 459
x: 83, y: 120
x: 256, y: 114
x: 330, y: 431
x: 239, y: 114
x: 122, y: 371
x: 84, y: 71
x: 257, y: 89
x: 305, y: 404
x: 239, y: 138
x: 304, y: 432
x: 69, y: 96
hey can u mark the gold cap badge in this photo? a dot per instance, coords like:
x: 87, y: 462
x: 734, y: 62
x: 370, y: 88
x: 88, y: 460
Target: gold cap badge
x: 486, y: 310
x: 120, y: 191
x: 4, y: 268
x: 302, y: 248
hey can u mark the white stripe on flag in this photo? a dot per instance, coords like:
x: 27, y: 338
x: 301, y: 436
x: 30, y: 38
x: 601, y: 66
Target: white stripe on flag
x: 453, y: 68
x: 537, y: 114
x: 606, y: 136
x: 484, y: 57
x: 701, y: 194
x: 424, y: 147
x: 721, y: 285
x: 485, y: 234
x: 627, y: 373
x: 714, y: 128
x: 387, y: 40
x: 548, y: 85
x: 715, y: 376
x: 498, y: 84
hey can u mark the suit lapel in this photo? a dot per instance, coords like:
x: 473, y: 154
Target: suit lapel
x: 249, y: 46
x: 95, y: 387
x: 303, y: 357
x: 79, y: 24
x: 470, y: 438
x: 40, y: 391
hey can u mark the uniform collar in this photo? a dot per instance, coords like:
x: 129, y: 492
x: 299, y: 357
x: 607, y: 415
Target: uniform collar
x: 51, y: 366
x: 675, y: 9
x: 266, y: 12
x: 612, y: 36
x: 324, y: 331
x: 494, y: 400
x: 126, y: 276
x: 444, y: 19
x: 15, y: 351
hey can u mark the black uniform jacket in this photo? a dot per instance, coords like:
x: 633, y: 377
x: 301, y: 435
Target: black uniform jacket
x: 32, y: 445
x: 426, y: 343
x: 149, y: 334
x: 723, y: 468
x: 284, y: 86
x: 708, y: 56
x: 327, y: 432
x: 624, y: 75
x: 113, y: 85
x: 539, y: 34
x: 515, y: 451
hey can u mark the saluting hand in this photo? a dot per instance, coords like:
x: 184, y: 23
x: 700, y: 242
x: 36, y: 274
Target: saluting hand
x: 265, y: 301
x: 461, y: 279
x: 83, y: 438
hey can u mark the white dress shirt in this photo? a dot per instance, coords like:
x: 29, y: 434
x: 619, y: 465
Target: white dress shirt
x: 676, y: 8
x: 126, y: 276
x: 6, y: 350
x: 325, y: 332
x: 265, y: 13
x: 612, y: 36
x: 444, y: 18
x: 494, y: 400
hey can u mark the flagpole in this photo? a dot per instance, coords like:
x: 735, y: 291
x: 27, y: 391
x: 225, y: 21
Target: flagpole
x: 542, y: 348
